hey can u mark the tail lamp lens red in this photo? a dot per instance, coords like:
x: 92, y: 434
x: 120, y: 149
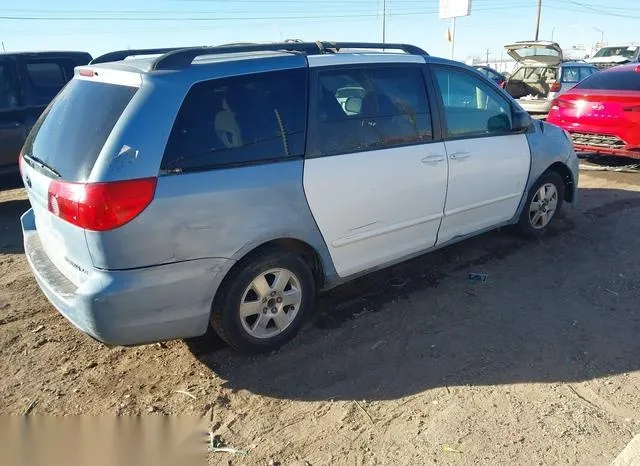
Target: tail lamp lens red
x: 561, y: 103
x: 100, y: 206
x: 555, y: 87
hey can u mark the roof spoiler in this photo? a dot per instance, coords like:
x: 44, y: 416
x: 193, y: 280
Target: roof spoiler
x: 175, y: 58
x: 120, y: 55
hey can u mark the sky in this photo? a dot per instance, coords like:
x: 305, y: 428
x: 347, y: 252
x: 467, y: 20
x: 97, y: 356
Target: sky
x: 100, y: 26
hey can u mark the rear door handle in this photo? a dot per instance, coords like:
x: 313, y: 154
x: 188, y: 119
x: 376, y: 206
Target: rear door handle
x: 433, y: 158
x: 9, y: 124
x: 460, y: 155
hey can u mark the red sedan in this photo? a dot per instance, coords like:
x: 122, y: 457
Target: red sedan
x: 602, y: 113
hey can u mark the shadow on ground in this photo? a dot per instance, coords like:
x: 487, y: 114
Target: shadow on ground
x: 563, y: 308
x: 612, y: 161
x: 10, y: 181
x: 10, y: 229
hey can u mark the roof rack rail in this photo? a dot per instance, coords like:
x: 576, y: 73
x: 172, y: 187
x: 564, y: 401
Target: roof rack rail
x: 120, y: 55
x: 181, y: 58
x: 406, y: 48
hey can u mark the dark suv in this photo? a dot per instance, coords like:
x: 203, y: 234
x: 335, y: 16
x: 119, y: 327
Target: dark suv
x: 28, y: 82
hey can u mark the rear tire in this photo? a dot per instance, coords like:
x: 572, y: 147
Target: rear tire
x: 264, y: 301
x: 543, y: 205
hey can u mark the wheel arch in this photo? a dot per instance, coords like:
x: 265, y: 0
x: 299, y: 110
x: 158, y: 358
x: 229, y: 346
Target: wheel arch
x: 567, y: 177
x: 318, y: 264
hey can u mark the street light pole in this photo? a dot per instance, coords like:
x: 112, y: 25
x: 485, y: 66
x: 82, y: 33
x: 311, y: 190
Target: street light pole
x: 601, y: 34
x: 538, y: 19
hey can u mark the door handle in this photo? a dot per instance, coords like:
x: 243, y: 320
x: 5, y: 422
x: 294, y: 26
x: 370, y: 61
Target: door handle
x: 9, y: 124
x: 433, y: 158
x: 460, y: 155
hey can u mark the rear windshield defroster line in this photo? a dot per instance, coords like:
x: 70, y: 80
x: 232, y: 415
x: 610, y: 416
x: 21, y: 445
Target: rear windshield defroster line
x: 71, y: 132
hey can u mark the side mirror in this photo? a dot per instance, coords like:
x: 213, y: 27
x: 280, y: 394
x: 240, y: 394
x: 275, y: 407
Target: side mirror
x: 499, y: 124
x: 521, y: 121
x: 353, y: 105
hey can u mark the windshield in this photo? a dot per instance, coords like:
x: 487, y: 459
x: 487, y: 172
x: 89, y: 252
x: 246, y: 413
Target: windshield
x: 626, y: 52
x: 69, y: 135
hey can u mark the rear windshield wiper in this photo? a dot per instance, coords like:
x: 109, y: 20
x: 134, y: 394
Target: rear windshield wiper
x: 41, y: 164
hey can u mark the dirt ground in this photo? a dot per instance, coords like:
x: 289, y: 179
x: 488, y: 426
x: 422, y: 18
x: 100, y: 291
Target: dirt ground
x: 540, y: 364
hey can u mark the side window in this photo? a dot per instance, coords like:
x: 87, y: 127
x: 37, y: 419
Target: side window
x: 492, y: 75
x: 472, y: 107
x: 46, y: 79
x: 8, y: 88
x: 243, y: 119
x: 571, y: 74
x: 363, y: 108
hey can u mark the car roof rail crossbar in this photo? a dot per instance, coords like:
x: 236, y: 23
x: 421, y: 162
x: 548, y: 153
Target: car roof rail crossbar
x: 120, y: 55
x: 181, y: 58
x: 407, y: 48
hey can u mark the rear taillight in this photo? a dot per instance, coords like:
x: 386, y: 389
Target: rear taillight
x: 559, y: 102
x: 100, y: 206
x: 632, y: 108
x: 555, y: 87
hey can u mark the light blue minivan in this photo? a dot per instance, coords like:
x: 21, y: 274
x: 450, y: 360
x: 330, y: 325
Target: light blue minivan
x: 227, y: 185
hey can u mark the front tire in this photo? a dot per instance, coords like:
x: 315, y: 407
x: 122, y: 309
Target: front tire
x: 543, y: 205
x: 264, y: 301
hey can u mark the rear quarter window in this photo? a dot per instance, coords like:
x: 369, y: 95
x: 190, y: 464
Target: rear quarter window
x: 8, y: 89
x: 46, y: 79
x: 612, y: 81
x: 72, y: 131
x: 244, y: 119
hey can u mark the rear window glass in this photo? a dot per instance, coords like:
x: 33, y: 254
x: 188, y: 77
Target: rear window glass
x: 571, y: 74
x: 612, y: 81
x: 71, y: 132
x: 245, y: 119
x: 537, y: 52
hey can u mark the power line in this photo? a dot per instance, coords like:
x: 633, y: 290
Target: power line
x: 223, y: 18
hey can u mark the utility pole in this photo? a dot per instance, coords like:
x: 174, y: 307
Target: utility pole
x: 538, y: 20
x: 384, y: 21
x: 487, y: 51
x: 453, y: 36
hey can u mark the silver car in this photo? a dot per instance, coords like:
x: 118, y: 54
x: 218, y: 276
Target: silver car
x: 542, y: 75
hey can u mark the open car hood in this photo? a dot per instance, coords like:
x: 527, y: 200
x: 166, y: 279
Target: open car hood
x: 534, y: 52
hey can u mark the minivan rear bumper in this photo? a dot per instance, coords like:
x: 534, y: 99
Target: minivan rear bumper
x: 535, y: 106
x: 130, y: 307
